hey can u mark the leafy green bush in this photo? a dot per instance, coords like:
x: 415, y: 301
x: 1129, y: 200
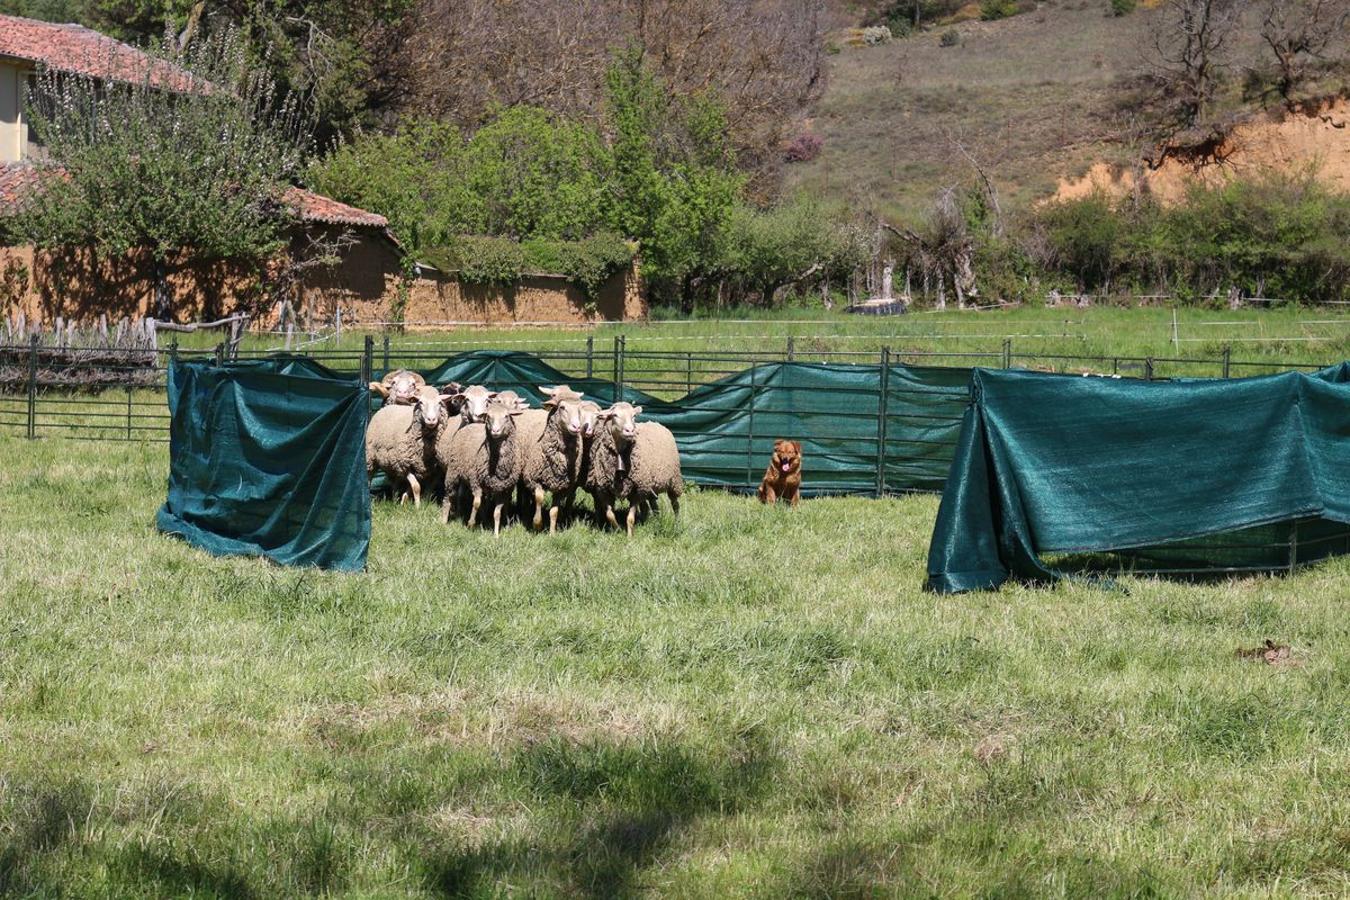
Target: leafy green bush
x: 950, y: 38
x: 997, y: 9
x: 587, y: 263
x: 1122, y: 7
x: 1278, y: 237
x: 480, y: 259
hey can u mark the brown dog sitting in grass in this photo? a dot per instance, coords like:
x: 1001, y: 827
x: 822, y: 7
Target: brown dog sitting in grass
x: 783, y: 478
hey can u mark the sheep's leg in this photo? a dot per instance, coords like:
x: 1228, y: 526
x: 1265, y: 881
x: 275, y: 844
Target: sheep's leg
x: 538, y: 507
x: 674, y: 503
x: 609, y: 515
x: 552, y: 519
x: 497, y: 519
x: 477, y: 502
x: 416, y: 490
x: 632, y: 515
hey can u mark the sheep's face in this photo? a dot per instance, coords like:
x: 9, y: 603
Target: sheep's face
x: 500, y: 420
x: 621, y: 419
x: 476, y: 400
x: 511, y: 400
x: 428, y: 407
x: 399, y: 387
x: 570, y: 416
x: 590, y: 412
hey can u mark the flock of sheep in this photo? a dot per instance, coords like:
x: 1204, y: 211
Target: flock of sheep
x: 485, y: 446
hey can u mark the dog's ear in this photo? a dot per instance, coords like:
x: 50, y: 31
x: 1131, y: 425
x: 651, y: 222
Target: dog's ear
x: 778, y: 445
x: 797, y: 447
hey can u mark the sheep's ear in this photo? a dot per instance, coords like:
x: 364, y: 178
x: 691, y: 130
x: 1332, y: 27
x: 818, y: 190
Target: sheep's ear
x: 446, y: 398
x: 381, y: 389
x: 637, y: 410
x: 604, y: 414
x: 418, y: 379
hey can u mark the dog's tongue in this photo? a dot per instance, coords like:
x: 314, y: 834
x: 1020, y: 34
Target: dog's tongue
x: 787, y: 467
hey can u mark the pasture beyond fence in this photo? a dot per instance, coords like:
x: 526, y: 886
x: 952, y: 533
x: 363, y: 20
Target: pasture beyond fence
x: 872, y: 422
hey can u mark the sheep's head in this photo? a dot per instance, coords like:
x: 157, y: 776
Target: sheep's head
x: 427, y: 406
x: 621, y: 420
x: 500, y: 420
x: 475, y: 403
x: 400, y: 386
x: 453, y: 395
x: 590, y: 411
x: 511, y: 399
x: 564, y: 405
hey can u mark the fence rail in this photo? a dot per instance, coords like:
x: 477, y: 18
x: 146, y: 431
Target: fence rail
x: 118, y: 394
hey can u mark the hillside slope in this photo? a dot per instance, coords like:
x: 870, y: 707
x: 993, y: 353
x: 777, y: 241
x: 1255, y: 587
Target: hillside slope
x: 1040, y: 100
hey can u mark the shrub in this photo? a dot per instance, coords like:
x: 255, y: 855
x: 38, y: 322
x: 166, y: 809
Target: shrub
x: 997, y: 9
x: 876, y: 34
x: 1122, y: 7
x: 587, y: 263
x: 480, y: 259
x: 803, y: 148
x: 950, y: 38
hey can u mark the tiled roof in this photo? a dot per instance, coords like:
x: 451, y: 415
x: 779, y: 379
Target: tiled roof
x: 314, y: 207
x: 74, y: 48
x: 17, y: 179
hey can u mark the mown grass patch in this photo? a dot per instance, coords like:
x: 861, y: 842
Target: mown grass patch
x: 745, y: 702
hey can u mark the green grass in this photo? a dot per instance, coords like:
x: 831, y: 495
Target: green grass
x: 1281, y: 335
x: 748, y: 702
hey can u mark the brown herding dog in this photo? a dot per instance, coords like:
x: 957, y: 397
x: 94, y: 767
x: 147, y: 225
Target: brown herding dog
x: 783, y: 477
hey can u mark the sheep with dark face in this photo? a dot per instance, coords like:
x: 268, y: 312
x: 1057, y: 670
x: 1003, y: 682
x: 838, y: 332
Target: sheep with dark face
x: 401, y: 441
x: 484, y: 461
x: 633, y: 461
x: 551, y: 441
x: 400, y: 387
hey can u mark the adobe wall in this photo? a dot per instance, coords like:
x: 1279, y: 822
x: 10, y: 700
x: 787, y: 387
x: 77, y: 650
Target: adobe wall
x: 367, y: 285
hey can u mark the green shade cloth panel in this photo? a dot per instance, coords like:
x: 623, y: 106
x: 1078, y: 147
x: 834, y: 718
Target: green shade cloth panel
x: 267, y: 458
x: 1187, y: 474
x: 725, y: 429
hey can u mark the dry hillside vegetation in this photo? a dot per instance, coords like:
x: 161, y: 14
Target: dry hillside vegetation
x: 1030, y: 97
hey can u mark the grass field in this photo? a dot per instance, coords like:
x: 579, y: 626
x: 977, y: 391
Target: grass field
x: 748, y: 702
x: 1285, y: 335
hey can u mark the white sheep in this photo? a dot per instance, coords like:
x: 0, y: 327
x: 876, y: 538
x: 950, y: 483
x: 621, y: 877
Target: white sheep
x: 401, y: 441
x: 633, y: 461
x: 551, y: 443
x: 484, y: 460
x: 399, y: 387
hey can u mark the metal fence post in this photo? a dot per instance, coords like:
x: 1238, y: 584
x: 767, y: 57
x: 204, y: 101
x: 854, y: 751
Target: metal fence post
x: 1293, y: 547
x: 619, y: 350
x: 590, y: 355
x: 1148, y: 369
x: 220, y: 354
x: 32, y: 385
x: 882, y: 410
x: 1007, y: 353
x: 688, y: 372
x: 750, y: 429
x: 1227, y: 358
x: 128, y: 412
x: 386, y: 351
x: 791, y: 349
x: 367, y: 361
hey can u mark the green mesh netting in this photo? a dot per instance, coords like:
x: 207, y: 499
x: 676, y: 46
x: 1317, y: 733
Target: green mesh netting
x: 1055, y: 472
x: 849, y: 427
x: 267, y: 458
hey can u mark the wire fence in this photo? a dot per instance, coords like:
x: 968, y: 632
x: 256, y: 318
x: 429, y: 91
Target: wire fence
x: 891, y: 429
x: 119, y: 394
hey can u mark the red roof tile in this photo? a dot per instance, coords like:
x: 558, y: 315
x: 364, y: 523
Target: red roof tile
x: 314, y: 207
x: 74, y: 48
x: 17, y: 179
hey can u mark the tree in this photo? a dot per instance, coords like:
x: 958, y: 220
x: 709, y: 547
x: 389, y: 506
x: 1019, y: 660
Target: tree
x: 1190, y: 43
x: 763, y: 58
x: 192, y: 157
x: 1298, y: 32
